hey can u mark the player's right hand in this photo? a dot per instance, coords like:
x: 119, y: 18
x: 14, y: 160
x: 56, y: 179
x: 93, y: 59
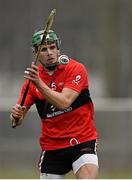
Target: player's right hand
x: 17, y: 115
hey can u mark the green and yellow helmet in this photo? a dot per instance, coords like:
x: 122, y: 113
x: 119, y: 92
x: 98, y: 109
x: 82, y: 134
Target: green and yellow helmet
x: 51, y: 37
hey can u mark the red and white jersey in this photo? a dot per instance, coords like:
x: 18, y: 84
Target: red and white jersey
x: 63, y: 128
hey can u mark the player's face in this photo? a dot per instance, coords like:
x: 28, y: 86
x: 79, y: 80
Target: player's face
x: 48, y: 54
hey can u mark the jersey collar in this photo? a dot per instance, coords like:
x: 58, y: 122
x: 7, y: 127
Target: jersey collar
x: 60, y: 66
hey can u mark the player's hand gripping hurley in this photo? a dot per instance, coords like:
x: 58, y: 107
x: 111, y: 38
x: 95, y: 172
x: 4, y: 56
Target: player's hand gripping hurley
x: 46, y: 30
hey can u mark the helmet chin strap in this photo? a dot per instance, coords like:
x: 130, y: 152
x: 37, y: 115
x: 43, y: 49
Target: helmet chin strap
x: 51, y: 67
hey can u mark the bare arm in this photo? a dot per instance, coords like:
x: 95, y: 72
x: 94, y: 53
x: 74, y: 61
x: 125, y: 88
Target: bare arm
x: 61, y: 100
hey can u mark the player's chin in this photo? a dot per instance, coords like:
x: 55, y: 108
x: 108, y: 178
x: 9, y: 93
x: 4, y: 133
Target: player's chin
x: 51, y: 61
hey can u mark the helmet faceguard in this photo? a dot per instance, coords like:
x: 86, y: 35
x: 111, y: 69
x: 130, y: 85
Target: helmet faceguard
x: 50, y: 38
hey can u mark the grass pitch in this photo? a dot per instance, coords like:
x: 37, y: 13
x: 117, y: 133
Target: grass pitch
x: 15, y: 173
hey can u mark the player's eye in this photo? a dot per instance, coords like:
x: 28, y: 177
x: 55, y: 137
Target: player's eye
x: 44, y: 49
x: 52, y: 47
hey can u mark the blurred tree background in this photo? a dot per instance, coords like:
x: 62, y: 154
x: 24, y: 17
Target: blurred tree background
x: 98, y: 33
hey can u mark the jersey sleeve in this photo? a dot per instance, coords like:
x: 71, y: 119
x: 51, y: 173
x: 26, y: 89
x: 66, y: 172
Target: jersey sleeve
x: 30, y: 98
x: 77, y: 78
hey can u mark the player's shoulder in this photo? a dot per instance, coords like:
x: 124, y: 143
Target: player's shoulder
x: 75, y: 64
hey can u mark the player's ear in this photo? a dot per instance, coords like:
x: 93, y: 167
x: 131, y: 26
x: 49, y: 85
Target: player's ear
x: 35, y: 50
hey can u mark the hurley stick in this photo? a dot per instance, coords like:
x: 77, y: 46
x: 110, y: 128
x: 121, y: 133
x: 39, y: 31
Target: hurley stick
x: 46, y: 30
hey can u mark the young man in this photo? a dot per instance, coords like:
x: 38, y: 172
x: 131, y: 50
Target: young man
x: 60, y: 92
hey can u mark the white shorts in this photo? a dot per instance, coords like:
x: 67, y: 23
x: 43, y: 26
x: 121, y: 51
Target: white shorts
x: 85, y: 159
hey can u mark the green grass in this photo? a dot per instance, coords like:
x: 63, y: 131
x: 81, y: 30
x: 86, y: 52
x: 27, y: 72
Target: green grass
x: 116, y: 174
x: 14, y: 173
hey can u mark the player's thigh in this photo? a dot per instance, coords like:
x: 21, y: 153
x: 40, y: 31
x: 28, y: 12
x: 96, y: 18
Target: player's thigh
x: 87, y: 171
x: 86, y: 166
